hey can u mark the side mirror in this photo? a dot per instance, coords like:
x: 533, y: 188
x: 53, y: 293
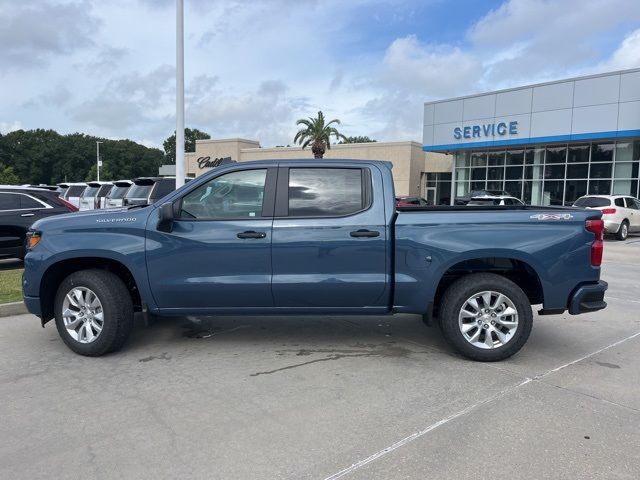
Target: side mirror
x: 165, y: 220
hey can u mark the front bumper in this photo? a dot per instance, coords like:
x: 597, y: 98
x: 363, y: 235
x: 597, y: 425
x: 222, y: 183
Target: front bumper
x: 588, y: 298
x: 33, y: 305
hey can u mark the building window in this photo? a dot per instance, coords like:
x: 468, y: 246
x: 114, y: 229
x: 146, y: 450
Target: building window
x: 602, y: 152
x: 554, y: 174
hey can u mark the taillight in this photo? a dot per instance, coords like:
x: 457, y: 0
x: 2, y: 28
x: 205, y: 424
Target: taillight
x: 597, y: 228
x: 608, y: 211
x: 70, y: 206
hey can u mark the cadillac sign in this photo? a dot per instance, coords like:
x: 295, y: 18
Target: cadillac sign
x: 207, y: 162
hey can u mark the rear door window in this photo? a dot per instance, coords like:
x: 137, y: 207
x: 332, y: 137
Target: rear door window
x: 631, y: 203
x: 9, y: 201
x: 28, y: 202
x: 325, y: 192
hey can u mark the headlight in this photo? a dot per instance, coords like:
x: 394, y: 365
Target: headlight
x: 33, y: 239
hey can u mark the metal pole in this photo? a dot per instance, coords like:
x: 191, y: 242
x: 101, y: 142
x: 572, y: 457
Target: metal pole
x: 98, y: 159
x: 180, y: 93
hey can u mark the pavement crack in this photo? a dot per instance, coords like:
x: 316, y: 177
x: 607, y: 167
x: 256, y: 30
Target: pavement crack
x: 385, y: 351
x: 594, y: 397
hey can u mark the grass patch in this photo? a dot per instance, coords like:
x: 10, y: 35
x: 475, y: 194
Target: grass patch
x: 10, y: 285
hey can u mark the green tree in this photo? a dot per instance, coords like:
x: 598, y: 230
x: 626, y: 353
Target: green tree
x: 357, y: 139
x: 190, y: 137
x: 45, y: 156
x: 7, y: 176
x: 317, y: 133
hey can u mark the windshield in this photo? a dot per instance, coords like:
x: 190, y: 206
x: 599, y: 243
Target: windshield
x: 90, y: 192
x: 118, y: 192
x: 74, y: 191
x: 104, y: 189
x: 592, y: 202
x: 139, y: 191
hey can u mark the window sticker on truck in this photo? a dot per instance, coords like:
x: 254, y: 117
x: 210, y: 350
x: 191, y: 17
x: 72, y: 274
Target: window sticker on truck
x: 552, y: 216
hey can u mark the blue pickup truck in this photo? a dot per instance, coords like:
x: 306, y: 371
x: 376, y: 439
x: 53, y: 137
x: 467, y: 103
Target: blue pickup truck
x: 313, y: 237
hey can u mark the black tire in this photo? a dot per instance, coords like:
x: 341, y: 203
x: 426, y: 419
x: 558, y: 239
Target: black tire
x: 456, y: 296
x: 116, y: 304
x: 623, y: 231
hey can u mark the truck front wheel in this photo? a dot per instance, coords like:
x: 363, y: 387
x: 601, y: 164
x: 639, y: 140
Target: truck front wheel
x: 94, y: 312
x: 485, y: 317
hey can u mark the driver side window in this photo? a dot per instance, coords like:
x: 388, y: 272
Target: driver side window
x: 233, y: 195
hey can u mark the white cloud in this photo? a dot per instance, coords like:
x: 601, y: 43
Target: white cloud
x: 10, y: 126
x: 627, y: 55
x: 253, y: 68
x: 30, y: 32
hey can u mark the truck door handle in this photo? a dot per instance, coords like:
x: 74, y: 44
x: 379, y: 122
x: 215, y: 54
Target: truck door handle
x: 27, y: 215
x: 251, y: 234
x: 363, y: 233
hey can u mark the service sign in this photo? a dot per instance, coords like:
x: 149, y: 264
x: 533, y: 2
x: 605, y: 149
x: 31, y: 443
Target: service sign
x: 486, y: 130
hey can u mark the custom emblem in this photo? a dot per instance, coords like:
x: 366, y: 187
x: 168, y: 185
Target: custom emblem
x: 551, y: 216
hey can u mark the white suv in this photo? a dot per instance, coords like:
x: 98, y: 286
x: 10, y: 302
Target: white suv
x: 621, y: 214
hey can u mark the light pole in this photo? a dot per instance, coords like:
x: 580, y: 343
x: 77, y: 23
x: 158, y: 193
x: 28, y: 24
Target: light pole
x: 179, y: 93
x: 98, y: 162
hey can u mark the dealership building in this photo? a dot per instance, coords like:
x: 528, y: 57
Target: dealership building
x: 411, y: 165
x: 547, y: 144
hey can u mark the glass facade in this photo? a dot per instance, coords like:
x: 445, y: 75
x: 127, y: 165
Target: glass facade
x: 552, y: 174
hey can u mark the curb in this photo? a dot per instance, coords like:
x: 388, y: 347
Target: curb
x: 15, y: 308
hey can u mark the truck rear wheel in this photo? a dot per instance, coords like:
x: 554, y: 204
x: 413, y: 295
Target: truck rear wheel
x: 94, y: 312
x: 485, y: 317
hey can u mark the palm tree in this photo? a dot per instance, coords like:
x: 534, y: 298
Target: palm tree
x: 317, y: 133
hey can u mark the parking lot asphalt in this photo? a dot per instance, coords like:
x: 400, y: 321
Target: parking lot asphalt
x: 328, y: 398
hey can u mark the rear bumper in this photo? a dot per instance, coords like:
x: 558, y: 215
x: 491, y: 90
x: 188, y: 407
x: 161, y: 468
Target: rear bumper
x: 33, y: 305
x: 588, y: 298
x: 611, y: 227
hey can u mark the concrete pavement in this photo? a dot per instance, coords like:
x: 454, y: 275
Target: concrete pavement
x: 329, y: 397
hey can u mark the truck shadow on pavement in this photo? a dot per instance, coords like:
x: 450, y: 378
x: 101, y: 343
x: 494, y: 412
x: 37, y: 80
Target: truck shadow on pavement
x: 308, y: 339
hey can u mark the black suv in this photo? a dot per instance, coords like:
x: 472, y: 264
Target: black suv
x: 20, y: 207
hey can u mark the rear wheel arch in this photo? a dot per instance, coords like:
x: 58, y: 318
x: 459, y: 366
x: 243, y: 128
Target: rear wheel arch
x: 517, y: 270
x: 61, y: 269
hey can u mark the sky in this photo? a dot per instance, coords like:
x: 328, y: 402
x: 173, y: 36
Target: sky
x: 252, y: 68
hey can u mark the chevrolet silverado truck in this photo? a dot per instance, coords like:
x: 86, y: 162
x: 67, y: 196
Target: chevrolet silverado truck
x: 313, y: 237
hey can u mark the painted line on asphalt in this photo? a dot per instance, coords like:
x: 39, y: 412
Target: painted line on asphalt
x: 466, y: 410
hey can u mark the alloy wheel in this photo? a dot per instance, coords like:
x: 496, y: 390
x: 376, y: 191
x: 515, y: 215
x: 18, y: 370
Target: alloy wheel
x: 488, y: 319
x: 82, y: 314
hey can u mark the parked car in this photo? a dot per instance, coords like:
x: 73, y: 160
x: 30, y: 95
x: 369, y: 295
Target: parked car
x: 406, y: 201
x: 313, y: 236
x: 621, y: 213
x: 53, y: 188
x: 19, y: 208
x: 93, y: 195
x: 146, y: 190
x: 480, y: 193
x: 501, y: 200
x: 116, y: 194
x: 72, y: 192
